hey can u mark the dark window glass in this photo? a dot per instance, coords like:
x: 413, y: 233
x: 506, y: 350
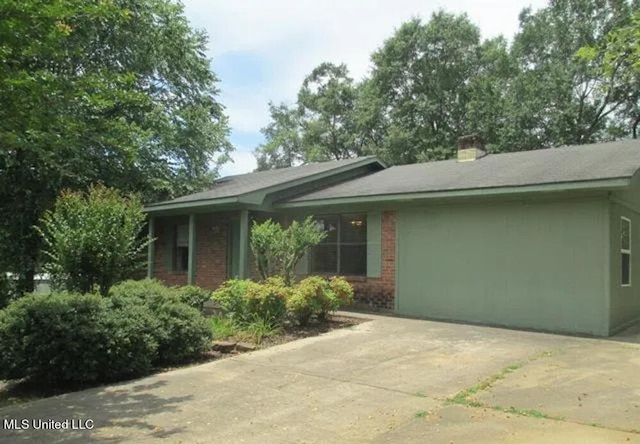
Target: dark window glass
x: 353, y: 260
x: 324, y: 258
x: 353, y: 229
x: 182, y: 259
x: 625, y: 234
x: 344, y: 251
x: 181, y: 248
x: 626, y: 269
x: 330, y: 225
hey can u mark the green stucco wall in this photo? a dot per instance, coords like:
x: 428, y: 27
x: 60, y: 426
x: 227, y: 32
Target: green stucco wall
x: 625, y: 301
x: 540, y: 265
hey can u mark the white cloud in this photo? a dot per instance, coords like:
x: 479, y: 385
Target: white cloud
x: 243, y: 162
x: 294, y: 36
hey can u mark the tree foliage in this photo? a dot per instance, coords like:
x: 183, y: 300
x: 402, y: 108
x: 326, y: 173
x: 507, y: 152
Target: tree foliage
x: 617, y: 60
x: 434, y: 81
x: 321, y: 126
x: 114, y: 91
x: 278, y: 250
x: 283, y: 146
x: 92, y: 240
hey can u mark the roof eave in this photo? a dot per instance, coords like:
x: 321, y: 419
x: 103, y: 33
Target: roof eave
x: 590, y: 185
x: 169, y: 206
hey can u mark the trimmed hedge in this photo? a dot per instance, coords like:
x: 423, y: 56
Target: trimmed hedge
x: 69, y: 338
x: 183, y: 332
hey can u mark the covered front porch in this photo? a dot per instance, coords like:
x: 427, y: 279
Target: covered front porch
x: 203, y: 249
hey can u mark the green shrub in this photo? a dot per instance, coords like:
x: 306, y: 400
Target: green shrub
x: 194, y: 296
x: 223, y: 327
x: 266, y: 301
x: 183, y: 333
x: 231, y: 298
x: 8, y: 289
x: 67, y: 338
x: 92, y: 239
x: 307, y: 299
x: 278, y: 250
x: 342, y: 290
x: 131, y: 348
x: 150, y: 292
x: 316, y: 296
x: 246, y: 301
x: 259, y: 329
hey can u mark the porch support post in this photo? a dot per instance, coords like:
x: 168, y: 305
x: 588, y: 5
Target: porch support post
x: 243, y: 256
x: 151, y: 248
x: 191, y: 271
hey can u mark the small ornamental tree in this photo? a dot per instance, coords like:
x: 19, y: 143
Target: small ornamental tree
x: 277, y: 250
x: 92, y: 240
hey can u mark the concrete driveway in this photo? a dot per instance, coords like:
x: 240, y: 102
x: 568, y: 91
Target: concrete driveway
x: 388, y: 380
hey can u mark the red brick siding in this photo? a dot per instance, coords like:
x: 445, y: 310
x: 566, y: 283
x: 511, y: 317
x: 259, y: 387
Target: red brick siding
x: 211, y: 250
x: 379, y: 292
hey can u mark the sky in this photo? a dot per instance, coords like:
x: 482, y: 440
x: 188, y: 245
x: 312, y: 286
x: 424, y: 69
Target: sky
x: 261, y: 50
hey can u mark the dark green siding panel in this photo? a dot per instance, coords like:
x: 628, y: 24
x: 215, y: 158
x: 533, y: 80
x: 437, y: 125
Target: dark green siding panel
x: 374, y: 244
x: 531, y: 265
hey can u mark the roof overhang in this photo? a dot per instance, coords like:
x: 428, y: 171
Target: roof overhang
x: 261, y: 197
x: 590, y: 185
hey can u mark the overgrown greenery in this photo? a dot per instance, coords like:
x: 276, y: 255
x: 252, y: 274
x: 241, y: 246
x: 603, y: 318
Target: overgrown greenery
x: 118, y: 92
x: 433, y: 81
x: 277, y: 250
x: 92, y: 240
x: 70, y: 338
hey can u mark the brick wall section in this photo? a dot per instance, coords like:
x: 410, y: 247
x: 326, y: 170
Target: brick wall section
x: 211, y: 251
x: 379, y: 293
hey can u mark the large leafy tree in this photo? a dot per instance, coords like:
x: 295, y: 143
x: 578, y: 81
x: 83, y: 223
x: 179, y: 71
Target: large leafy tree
x: 283, y: 147
x: 557, y: 97
x: 414, y: 105
x: 617, y: 60
x: 320, y: 126
x: 326, y: 103
x: 117, y: 91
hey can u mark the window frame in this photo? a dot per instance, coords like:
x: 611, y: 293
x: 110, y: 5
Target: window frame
x: 339, y: 244
x: 176, y: 250
x: 624, y: 251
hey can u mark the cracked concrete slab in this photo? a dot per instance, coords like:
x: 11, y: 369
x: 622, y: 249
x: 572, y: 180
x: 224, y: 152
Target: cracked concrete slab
x: 590, y: 381
x: 387, y: 380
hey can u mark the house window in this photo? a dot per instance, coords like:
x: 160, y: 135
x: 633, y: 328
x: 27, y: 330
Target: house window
x: 625, y: 251
x: 344, y: 250
x: 181, y: 248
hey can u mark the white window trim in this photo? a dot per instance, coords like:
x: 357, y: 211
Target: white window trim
x: 626, y: 251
